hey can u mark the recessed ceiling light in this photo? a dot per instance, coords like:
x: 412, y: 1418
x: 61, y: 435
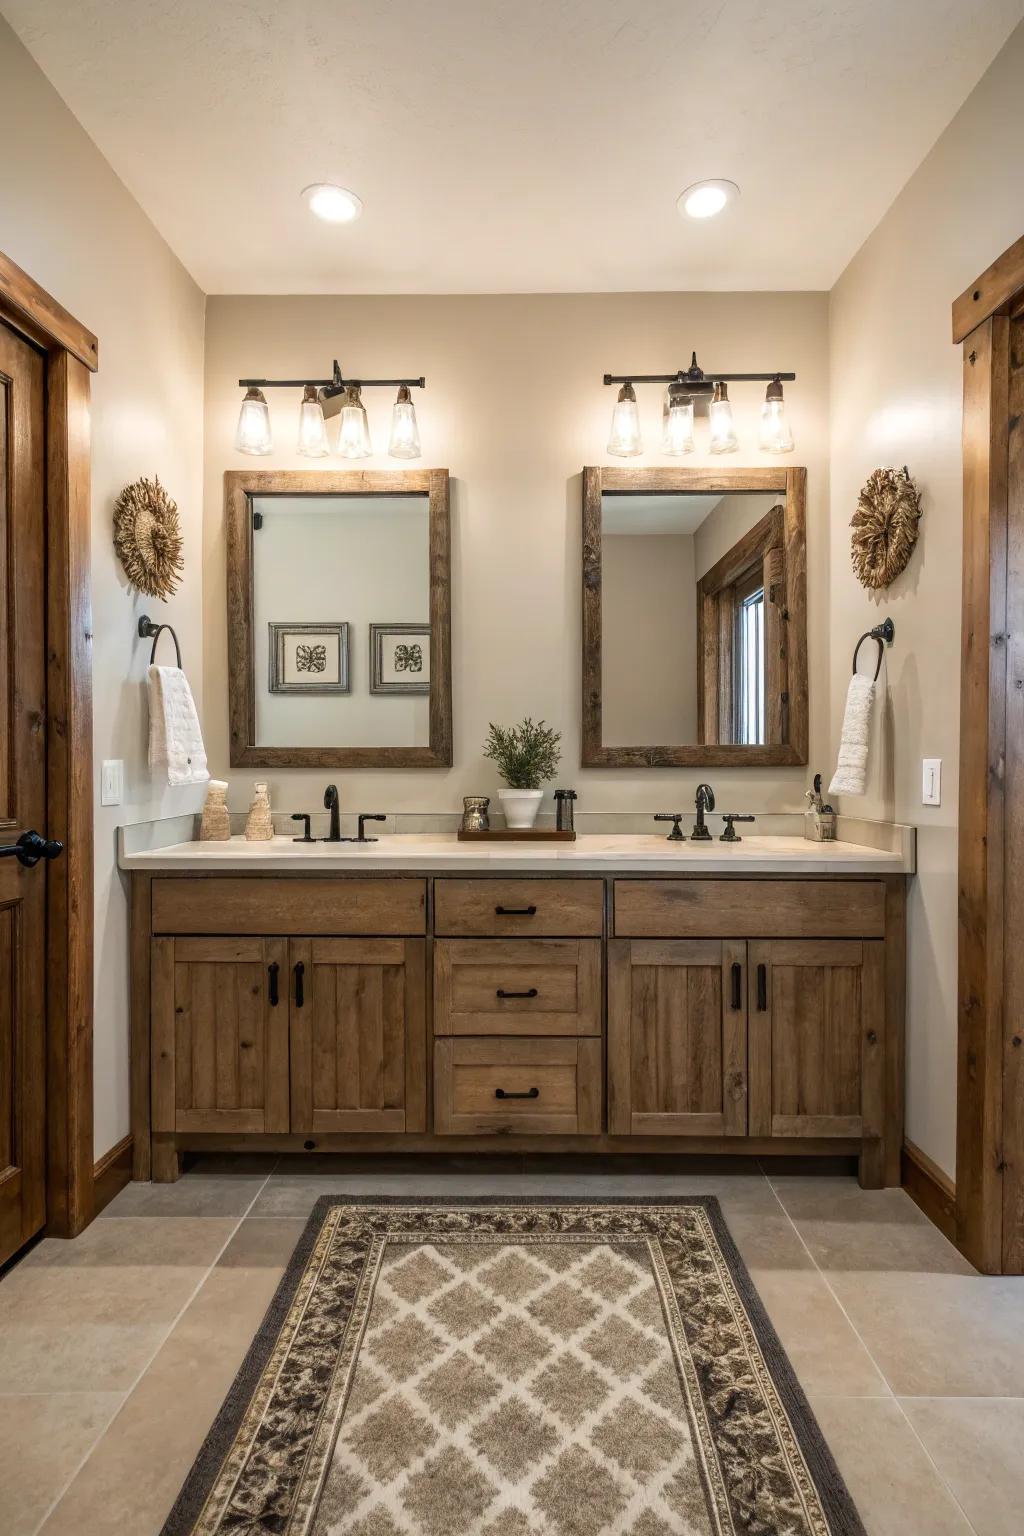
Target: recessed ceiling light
x: 706, y: 198
x: 334, y: 204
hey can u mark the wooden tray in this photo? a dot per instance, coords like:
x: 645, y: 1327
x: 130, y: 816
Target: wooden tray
x: 518, y: 835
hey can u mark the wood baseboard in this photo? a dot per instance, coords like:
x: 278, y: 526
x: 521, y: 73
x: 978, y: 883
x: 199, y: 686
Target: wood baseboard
x: 112, y: 1173
x: 929, y: 1188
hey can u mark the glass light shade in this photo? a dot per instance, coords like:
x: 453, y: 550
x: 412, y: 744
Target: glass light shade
x: 405, y: 436
x: 776, y: 435
x: 723, y: 433
x: 312, y: 443
x: 354, y: 431
x: 253, y: 434
x: 625, y: 440
x: 677, y: 425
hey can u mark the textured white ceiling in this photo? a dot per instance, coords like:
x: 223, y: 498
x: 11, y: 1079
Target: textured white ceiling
x: 513, y: 147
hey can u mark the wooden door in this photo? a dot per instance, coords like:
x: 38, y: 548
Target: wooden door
x: 677, y: 1037
x: 22, y: 794
x: 817, y: 1026
x: 358, y: 1043
x: 220, y: 1035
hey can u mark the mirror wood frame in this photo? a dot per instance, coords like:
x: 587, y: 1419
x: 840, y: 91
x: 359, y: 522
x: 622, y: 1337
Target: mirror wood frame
x: 789, y: 481
x: 240, y: 487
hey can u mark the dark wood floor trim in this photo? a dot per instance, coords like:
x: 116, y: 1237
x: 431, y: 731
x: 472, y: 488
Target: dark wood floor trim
x: 112, y: 1173
x: 930, y: 1189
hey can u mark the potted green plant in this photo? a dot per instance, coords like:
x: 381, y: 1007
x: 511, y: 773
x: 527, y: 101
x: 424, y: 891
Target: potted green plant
x: 526, y: 755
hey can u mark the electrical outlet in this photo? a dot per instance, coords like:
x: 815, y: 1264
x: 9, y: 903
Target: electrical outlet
x: 931, y: 781
x: 112, y: 783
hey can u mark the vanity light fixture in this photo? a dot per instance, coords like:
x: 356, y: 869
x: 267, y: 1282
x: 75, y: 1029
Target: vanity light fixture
x: 706, y: 198
x: 686, y: 388
x: 405, y: 435
x: 253, y: 432
x: 333, y: 204
x: 328, y: 397
x: 625, y: 440
x: 677, y: 423
x: 312, y: 442
x: 723, y: 432
x: 776, y: 433
x: 354, y: 431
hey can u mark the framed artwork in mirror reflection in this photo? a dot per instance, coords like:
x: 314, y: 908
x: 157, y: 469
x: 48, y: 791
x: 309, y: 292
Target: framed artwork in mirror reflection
x: 399, y: 658
x: 309, y: 658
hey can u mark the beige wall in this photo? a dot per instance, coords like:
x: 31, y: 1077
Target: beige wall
x: 514, y: 408
x: 896, y: 399
x: 648, y: 640
x: 68, y: 220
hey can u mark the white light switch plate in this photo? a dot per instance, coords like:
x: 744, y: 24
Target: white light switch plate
x: 112, y: 783
x: 931, y: 781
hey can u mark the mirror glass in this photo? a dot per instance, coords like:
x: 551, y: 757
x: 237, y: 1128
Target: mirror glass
x: 341, y: 620
x: 692, y: 619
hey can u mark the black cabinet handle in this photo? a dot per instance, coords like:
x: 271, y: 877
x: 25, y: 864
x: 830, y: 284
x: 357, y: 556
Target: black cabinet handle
x: 531, y: 1093
x: 272, y: 970
x: 762, y: 989
x: 737, y: 983
x: 515, y: 911
x: 502, y: 993
x: 300, y: 971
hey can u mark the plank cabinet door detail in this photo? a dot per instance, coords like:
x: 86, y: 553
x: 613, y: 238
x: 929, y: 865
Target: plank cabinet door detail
x: 817, y: 1012
x: 677, y: 1037
x: 358, y: 1047
x: 220, y: 1035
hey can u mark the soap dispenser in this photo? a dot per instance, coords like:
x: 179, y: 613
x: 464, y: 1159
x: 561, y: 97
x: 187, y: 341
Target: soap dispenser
x: 259, y: 826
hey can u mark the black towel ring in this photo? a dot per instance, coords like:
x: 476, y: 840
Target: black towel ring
x: 884, y: 633
x: 148, y: 629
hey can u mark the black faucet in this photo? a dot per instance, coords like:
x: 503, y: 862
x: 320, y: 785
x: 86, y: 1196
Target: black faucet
x: 730, y: 835
x: 705, y: 801
x: 331, y: 804
x: 362, y: 820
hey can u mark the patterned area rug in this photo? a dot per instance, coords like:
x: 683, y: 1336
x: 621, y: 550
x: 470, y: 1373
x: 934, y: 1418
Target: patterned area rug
x: 507, y: 1368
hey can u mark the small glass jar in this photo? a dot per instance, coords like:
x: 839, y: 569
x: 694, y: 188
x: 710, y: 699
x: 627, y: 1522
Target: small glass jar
x: 474, y: 813
x: 564, y: 810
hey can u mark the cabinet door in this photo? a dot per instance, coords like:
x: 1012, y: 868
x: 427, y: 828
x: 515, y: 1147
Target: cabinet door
x: 677, y: 1037
x: 358, y: 1046
x: 220, y: 1035
x: 817, y: 1011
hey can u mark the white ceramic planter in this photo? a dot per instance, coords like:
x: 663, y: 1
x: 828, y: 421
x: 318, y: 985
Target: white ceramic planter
x: 520, y: 806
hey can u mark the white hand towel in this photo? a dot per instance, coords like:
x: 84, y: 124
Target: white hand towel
x: 850, y: 777
x: 175, y: 739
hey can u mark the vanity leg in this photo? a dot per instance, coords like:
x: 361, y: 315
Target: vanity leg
x: 166, y: 1161
x: 871, y: 1165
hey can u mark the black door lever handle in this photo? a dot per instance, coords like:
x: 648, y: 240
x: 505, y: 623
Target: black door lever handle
x: 30, y: 848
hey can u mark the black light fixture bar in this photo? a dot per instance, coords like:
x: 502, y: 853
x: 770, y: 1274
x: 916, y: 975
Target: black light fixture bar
x: 697, y: 378
x: 335, y: 385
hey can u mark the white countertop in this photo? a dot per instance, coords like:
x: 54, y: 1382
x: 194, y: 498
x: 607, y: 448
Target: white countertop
x: 427, y: 853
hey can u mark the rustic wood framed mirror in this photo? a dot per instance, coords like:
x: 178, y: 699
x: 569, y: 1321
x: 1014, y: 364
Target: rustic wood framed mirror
x: 339, y: 618
x: 694, y: 617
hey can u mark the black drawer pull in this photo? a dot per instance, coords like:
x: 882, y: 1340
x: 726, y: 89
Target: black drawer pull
x: 272, y: 970
x: 737, y: 985
x: 300, y: 971
x: 762, y: 989
x: 502, y: 993
x: 531, y: 1093
x: 515, y: 911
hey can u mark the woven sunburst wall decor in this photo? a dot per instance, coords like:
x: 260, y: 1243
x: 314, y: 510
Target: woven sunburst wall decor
x: 885, y: 526
x: 147, y: 537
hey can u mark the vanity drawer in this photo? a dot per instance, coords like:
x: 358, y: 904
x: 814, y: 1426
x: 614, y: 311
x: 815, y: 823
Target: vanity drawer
x: 514, y: 1087
x: 303, y: 906
x: 517, y: 987
x: 519, y: 908
x: 741, y: 909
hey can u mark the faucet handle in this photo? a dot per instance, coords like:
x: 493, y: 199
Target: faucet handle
x: 305, y: 838
x: 730, y: 835
x: 675, y: 836
x: 362, y: 820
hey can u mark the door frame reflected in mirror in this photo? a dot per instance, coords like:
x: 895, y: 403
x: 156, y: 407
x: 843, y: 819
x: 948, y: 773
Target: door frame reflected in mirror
x: 241, y: 487
x: 789, y: 713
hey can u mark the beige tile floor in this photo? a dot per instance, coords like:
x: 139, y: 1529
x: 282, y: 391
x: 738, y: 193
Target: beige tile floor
x: 117, y: 1349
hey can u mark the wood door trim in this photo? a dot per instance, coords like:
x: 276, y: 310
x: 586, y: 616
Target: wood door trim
x: 996, y: 289
x: 72, y: 353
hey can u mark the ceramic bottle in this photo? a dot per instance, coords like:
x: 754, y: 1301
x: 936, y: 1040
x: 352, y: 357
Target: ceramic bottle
x: 215, y: 826
x: 259, y: 826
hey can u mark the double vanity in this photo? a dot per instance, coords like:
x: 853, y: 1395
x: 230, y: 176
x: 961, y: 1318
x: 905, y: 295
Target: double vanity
x: 616, y: 994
